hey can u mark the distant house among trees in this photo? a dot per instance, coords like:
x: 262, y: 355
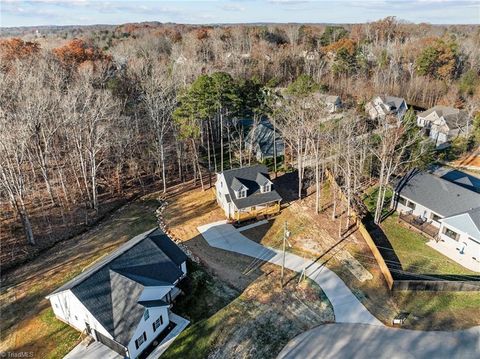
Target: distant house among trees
x: 333, y: 103
x: 442, y: 124
x: 381, y: 106
x: 310, y: 55
x: 264, y: 141
x: 246, y: 193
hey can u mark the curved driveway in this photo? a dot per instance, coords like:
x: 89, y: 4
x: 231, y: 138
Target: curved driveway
x: 346, y: 307
x: 361, y: 341
x: 356, y: 333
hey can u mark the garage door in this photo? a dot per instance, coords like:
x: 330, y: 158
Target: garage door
x: 120, y: 349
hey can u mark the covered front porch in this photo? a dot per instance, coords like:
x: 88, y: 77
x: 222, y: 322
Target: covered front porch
x: 257, y: 212
x: 416, y: 222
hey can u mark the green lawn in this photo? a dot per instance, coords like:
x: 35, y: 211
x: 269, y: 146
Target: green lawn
x: 64, y: 338
x: 410, y: 246
x: 413, y: 252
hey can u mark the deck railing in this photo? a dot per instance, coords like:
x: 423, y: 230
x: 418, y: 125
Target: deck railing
x: 242, y: 216
x: 425, y: 227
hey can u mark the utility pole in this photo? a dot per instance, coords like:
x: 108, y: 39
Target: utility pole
x: 286, y: 234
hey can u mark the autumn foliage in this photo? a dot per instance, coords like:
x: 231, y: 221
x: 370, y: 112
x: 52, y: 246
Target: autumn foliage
x: 12, y: 49
x: 438, y: 59
x: 348, y: 44
x: 78, y: 52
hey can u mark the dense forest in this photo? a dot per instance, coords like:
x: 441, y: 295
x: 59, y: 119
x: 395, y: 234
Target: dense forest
x: 89, y: 118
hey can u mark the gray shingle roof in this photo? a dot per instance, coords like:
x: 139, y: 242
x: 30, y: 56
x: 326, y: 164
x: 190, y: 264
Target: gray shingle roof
x: 248, y: 176
x: 332, y: 99
x: 461, y: 178
x: 262, y: 180
x: 110, y: 289
x: 237, y: 184
x: 439, y: 195
x: 392, y: 101
x: 454, y: 118
x: 263, y: 136
x: 475, y: 216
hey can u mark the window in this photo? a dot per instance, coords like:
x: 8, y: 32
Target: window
x: 410, y: 205
x: 451, y: 234
x: 242, y: 193
x: 402, y: 201
x: 76, y: 318
x: 157, y: 323
x: 265, y: 188
x: 141, y: 339
x: 435, y: 217
x: 146, y: 314
x: 56, y: 305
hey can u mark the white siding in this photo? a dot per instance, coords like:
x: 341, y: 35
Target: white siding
x: 67, y: 307
x: 154, y: 293
x: 221, y: 190
x: 419, y: 210
x: 472, y: 247
x: 147, y: 327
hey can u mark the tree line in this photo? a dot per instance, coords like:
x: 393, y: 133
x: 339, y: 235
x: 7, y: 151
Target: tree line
x: 90, y: 118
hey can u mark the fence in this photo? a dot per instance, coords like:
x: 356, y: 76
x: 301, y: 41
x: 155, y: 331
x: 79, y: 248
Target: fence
x: 404, y: 281
x: 366, y: 236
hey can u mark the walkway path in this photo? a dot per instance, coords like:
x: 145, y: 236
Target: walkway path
x: 361, y: 341
x: 346, y: 307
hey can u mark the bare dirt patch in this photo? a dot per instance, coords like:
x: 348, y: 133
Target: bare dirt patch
x: 259, y: 322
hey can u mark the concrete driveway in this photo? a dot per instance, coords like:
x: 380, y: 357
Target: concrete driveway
x: 95, y: 350
x: 346, y: 307
x: 361, y: 341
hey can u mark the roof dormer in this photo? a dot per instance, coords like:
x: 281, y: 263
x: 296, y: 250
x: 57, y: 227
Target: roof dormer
x: 239, y: 188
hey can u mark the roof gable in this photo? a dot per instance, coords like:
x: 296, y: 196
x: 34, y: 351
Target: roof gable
x: 250, y: 177
x: 468, y: 222
x: 264, y: 136
x: 110, y: 290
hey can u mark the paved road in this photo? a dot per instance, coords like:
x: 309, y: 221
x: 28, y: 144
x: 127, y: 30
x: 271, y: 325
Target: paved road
x: 346, y: 307
x: 361, y: 341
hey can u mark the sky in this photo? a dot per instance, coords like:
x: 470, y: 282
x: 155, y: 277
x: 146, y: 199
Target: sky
x: 87, y: 12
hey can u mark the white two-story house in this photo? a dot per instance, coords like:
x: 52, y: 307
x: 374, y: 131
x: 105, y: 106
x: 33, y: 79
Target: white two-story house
x: 381, y: 106
x: 245, y: 193
x: 442, y: 124
x: 124, y: 300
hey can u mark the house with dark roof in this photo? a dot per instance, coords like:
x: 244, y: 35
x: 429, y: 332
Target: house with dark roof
x: 245, y: 193
x: 440, y: 201
x: 124, y: 299
x: 442, y: 124
x: 382, y: 106
x: 264, y: 141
